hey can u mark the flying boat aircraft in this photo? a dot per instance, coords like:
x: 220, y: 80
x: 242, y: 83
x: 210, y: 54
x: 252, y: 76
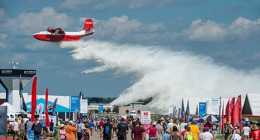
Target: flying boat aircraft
x: 58, y: 35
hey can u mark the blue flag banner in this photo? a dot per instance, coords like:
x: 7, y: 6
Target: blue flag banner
x: 74, y: 103
x: 100, y: 109
x: 202, y: 108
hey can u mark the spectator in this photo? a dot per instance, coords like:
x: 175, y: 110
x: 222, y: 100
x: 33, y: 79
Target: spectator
x: 236, y: 135
x: 86, y: 133
x: 107, y: 130
x: 38, y: 130
x: 207, y: 135
x: 153, y: 132
x: 175, y: 134
x: 15, y: 128
x: 137, y: 132
x: 246, y: 131
x: 256, y: 133
x: 122, y: 130
x: 71, y: 131
x: 194, y: 130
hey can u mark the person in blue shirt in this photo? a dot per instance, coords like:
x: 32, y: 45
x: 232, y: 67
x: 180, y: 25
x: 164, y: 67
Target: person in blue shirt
x: 166, y: 136
x: 92, y: 126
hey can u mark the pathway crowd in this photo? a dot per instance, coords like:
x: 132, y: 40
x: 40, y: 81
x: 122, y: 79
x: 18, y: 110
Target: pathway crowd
x: 122, y: 129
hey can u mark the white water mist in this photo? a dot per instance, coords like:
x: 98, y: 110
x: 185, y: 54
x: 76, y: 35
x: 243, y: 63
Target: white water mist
x: 165, y: 75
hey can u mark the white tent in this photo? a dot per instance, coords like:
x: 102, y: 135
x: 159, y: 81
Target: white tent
x: 10, y: 108
x: 254, y: 102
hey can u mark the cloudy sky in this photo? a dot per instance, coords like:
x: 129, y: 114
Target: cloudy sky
x: 136, y: 45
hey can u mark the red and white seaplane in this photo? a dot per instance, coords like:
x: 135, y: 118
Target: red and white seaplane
x: 58, y: 35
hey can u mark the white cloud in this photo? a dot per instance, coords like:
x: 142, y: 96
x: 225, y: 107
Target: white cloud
x: 29, y: 23
x: 243, y: 27
x: 208, y: 30
x: 116, y: 28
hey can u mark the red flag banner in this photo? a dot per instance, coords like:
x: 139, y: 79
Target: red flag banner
x: 237, y: 118
x: 33, y: 102
x: 227, y: 112
x: 231, y: 110
x: 240, y: 112
x: 47, y: 120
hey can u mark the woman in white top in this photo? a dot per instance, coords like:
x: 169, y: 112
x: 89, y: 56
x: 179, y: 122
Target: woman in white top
x: 246, y: 131
x: 236, y: 135
x: 15, y: 128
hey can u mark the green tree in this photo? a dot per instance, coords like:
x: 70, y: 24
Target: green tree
x: 116, y: 109
x: 108, y: 110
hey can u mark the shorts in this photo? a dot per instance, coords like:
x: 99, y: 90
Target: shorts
x: 152, y: 138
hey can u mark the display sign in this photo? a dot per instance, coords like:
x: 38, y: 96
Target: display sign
x: 74, y: 103
x: 83, y: 106
x: 215, y: 105
x: 146, y: 117
x: 202, y: 108
x: 100, y: 109
x: 17, y: 71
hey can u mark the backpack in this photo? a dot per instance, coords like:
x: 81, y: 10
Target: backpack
x: 227, y: 130
x: 107, y: 129
x: 37, y: 129
x: 189, y: 136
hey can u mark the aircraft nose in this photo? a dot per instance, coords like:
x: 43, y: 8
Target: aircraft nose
x: 35, y: 36
x: 38, y: 36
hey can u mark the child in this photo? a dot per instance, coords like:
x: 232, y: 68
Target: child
x: 166, y: 136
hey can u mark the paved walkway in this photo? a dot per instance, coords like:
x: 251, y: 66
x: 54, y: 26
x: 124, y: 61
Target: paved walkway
x: 96, y: 136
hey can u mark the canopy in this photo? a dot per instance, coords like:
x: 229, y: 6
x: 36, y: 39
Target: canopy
x: 10, y: 108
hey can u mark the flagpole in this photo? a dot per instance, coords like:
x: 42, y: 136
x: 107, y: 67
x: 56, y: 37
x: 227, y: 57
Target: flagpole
x: 20, y: 90
x: 220, y: 110
x: 69, y: 106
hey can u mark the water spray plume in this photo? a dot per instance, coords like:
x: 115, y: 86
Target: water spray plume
x: 165, y: 75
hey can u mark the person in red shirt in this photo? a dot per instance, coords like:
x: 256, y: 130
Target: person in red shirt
x: 153, y: 132
x: 256, y: 134
x: 208, y: 124
x: 137, y: 132
x: 101, y: 122
x: 184, y: 131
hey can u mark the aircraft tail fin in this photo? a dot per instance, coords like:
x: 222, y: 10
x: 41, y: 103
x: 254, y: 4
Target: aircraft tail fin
x: 88, y: 24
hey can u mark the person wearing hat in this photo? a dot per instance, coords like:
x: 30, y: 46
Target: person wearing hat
x: 228, y: 130
x: 207, y: 135
x: 61, y: 132
x: 71, y: 131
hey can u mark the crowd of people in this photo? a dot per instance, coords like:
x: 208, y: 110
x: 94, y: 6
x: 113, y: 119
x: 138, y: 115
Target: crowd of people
x: 119, y: 127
